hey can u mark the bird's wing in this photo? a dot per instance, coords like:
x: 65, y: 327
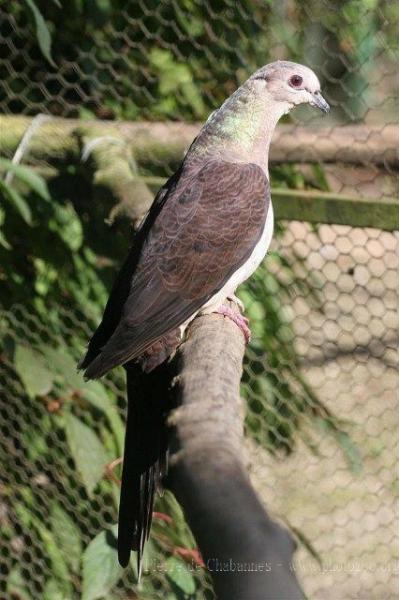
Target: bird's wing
x: 121, y: 287
x: 204, y: 232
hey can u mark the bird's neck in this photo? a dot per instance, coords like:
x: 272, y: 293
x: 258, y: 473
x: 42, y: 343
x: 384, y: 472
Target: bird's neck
x: 241, y: 130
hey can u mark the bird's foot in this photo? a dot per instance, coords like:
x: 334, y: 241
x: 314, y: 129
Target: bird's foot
x: 239, y: 320
x: 239, y: 302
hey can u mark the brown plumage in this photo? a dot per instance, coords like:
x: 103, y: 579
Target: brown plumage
x: 187, y: 256
x: 206, y: 232
x: 185, y: 252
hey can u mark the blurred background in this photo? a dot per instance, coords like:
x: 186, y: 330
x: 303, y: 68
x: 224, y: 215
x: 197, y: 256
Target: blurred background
x: 321, y: 373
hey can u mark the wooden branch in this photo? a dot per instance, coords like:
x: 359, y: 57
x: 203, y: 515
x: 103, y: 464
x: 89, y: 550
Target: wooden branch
x: 115, y: 149
x: 351, y: 144
x: 56, y: 141
x: 247, y: 554
x: 113, y: 167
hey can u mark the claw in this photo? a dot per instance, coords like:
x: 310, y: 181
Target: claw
x: 239, y: 302
x: 239, y: 320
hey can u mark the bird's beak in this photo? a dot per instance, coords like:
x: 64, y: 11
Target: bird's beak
x: 318, y: 100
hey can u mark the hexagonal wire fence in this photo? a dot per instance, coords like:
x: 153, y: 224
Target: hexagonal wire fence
x: 321, y: 374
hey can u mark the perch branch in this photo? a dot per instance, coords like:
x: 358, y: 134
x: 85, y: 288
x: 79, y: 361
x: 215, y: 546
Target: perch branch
x: 248, y: 555
x: 166, y: 142
x: 114, y: 170
x: 116, y: 150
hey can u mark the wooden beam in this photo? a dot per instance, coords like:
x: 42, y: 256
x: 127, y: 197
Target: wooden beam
x: 57, y: 140
x: 61, y: 140
x: 325, y: 207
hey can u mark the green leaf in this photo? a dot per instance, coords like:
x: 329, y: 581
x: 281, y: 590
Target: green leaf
x: 17, y: 201
x: 42, y: 32
x: 92, y: 391
x: 97, y: 396
x: 68, y: 225
x: 351, y: 452
x: 46, y: 276
x: 52, y: 591
x: 35, y: 440
x: 59, y: 568
x: 320, y: 177
x: 177, y: 571
x: 31, y: 369
x: 65, y: 365
x: 67, y: 536
x: 3, y: 242
x: 16, y: 585
x: 87, y: 451
x: 28, y: 176
x: 101, y: 570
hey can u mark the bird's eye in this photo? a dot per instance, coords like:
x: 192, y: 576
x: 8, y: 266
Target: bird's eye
x: 296, y: 81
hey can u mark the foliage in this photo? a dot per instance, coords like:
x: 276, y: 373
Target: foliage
x: 100, y: 566
x: 42, y: 32
x: 56, y: 251
x: 51, y: 261
x: 172, y: 61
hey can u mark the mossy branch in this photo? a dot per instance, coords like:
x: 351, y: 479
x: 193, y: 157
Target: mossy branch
x: 167, y: 142
x: 114, y: 152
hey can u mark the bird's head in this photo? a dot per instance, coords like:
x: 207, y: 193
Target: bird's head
x: 289, y: 84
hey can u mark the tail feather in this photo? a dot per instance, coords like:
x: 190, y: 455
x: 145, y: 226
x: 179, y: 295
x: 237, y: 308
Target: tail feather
x: 144, y: 460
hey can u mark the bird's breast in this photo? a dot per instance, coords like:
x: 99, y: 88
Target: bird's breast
x: 257, y: 255
x: 246, y: 269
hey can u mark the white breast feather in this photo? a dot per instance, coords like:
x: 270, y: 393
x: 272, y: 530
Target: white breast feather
x: 246, y: 270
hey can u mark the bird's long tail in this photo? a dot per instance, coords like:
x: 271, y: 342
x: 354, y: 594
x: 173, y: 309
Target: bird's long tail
x: 144, y: 462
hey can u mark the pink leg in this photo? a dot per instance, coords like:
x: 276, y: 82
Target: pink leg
x: 239, y: 320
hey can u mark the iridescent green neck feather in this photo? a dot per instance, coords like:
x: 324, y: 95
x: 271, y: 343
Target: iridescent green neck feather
x: 241, y: 129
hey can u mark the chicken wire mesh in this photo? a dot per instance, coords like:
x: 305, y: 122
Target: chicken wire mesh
x: 343, y: 496
x: 321, y: 373
x: 338, y: 491
x: 122, y: 59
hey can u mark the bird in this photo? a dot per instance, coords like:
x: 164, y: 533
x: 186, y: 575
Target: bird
x: 207, y: 230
